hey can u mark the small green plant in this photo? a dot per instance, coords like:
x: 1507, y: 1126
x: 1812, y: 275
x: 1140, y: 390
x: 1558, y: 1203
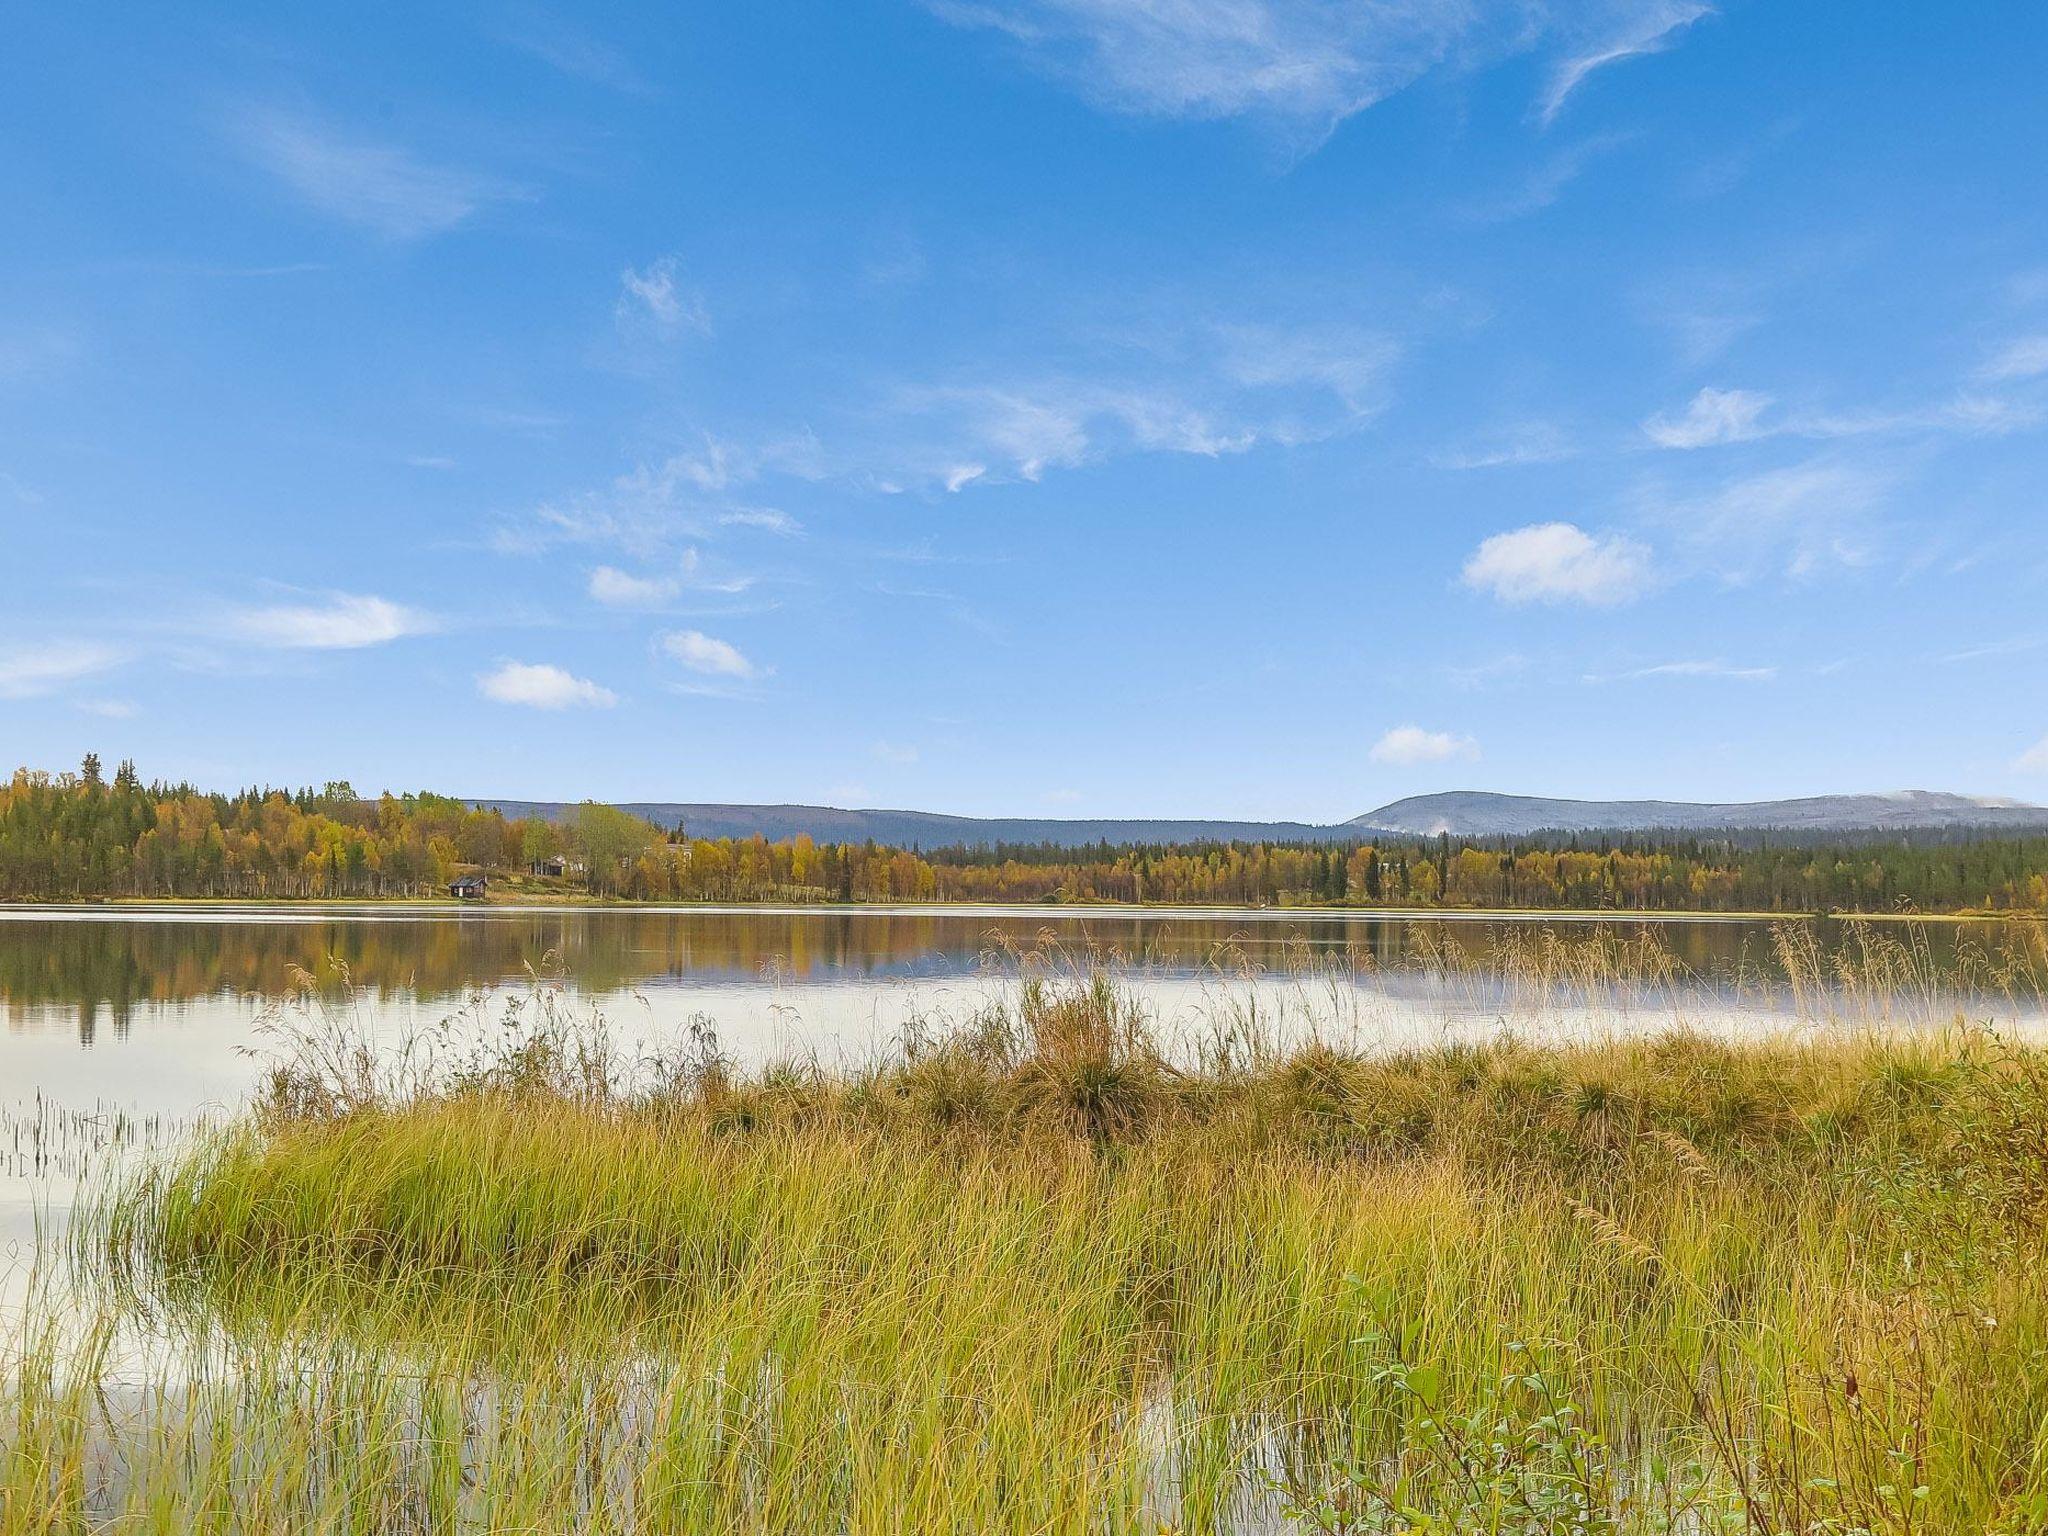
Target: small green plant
x: 1510, y: 1456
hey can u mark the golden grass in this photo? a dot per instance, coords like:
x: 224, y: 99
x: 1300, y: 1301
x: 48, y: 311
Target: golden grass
x: 1036, y: 1276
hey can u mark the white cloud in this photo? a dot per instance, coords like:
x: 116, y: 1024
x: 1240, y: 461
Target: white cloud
x: 539, y: 685
x: 1305, y: 65
x: 1799, y: 520
x: 1062, y: 797
x: 1348, y: 363
x: 108, y: 709
x: 1714, y: 416
x: 1536, y: 442
x: 1559, y: 563
x: 576, y: 54
x: 1481, y: 674
x: 1646, y: 29
x: 1207, y: 389
x: 1720, y: 669
x: 621, y: 589
x: 2034, y: 759
x: 2025, y: 357
x: 767, y: 519
x: 891, y: 752
x: 30, y: 671
x: 379, y: 187
x: 342, y: 622
x: 1410, y: 744
x: 647, y: 509
x: 657, y: 296
x: 704, y: 653
x: 1543, y: 185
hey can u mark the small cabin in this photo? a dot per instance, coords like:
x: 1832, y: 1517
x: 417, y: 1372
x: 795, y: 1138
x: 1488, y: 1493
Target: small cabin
x: 469, y: 888
x: 553, y: 867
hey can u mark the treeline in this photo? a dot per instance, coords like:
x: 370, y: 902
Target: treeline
x: 83, y: 834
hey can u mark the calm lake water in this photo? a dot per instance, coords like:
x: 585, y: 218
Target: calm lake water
x: 139, y: 1019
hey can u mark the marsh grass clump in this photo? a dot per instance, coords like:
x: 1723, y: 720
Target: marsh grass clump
x: 1043, y: 1273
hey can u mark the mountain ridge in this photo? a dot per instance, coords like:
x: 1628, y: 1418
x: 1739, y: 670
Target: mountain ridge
x: 1461, y: 813
x: 1483, y: 813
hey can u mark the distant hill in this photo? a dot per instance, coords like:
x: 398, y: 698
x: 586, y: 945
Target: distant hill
x: 1466, y: 813
x: 928, y: 829
x: 1478, y: 813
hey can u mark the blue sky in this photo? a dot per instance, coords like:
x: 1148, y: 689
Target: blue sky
x: 1091, y: 407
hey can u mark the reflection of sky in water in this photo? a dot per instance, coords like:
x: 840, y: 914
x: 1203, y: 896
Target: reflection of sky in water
x: 154, y: 1011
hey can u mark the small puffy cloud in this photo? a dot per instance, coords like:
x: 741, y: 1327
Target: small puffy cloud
x: 2025, y: 357
x: 891, y: 752
x: 539, y: 685
x: 2035, y: 758
x: 342, y: 622
x: 1409, y: 744
x: 1714, y: 416
x: 1558, y: 563
x: 704, y: 653
x: 29, y: 671
x: 107, y: 709
x: 656, y: 296
x: 621, y: 589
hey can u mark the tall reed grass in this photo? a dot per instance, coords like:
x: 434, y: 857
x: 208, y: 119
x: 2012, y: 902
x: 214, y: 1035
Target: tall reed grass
x: 1040, y: 1273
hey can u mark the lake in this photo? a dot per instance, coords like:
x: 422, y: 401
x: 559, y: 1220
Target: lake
x: 134, y: 1020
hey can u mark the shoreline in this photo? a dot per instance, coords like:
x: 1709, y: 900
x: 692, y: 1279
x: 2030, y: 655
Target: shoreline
x: 439, y: 905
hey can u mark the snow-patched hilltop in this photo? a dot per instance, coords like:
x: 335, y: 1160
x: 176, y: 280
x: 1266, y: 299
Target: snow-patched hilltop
x: 1468, y: 813
x: 1480, y: 813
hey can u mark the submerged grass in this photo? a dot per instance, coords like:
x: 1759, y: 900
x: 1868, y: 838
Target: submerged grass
x: 1039, y: 1274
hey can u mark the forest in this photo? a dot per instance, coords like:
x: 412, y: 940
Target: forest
x: 85, y: 835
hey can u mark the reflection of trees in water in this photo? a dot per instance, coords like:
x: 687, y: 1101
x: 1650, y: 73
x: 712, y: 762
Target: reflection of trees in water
x: 107, y: 967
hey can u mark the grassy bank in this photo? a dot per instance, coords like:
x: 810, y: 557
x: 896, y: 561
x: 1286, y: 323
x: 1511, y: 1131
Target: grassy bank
x: 1037, y: 1276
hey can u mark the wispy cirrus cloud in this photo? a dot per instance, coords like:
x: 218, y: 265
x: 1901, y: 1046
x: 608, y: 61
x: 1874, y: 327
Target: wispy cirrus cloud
x: 50, y: 666
x: 2023, y: 357
x: 573, y: 52
x: 1719, y: 416
x: 381, y: 187
x: 1684, y: 669
x: 687, y: 495
x: 1533, y: 442
x: 1797, y: 520
x: 656, y: 298
x: 1304, y: 66
x: 616, y: 588
x: 1713, y: 416
x: 1637, y: 31
x: 766, y: 519
x: 1544, y: 185
x: 341, y: 621
x: 1207, y: 389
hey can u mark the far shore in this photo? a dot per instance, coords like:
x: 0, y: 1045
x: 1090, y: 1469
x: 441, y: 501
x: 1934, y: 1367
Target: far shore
x: 543, y: 902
